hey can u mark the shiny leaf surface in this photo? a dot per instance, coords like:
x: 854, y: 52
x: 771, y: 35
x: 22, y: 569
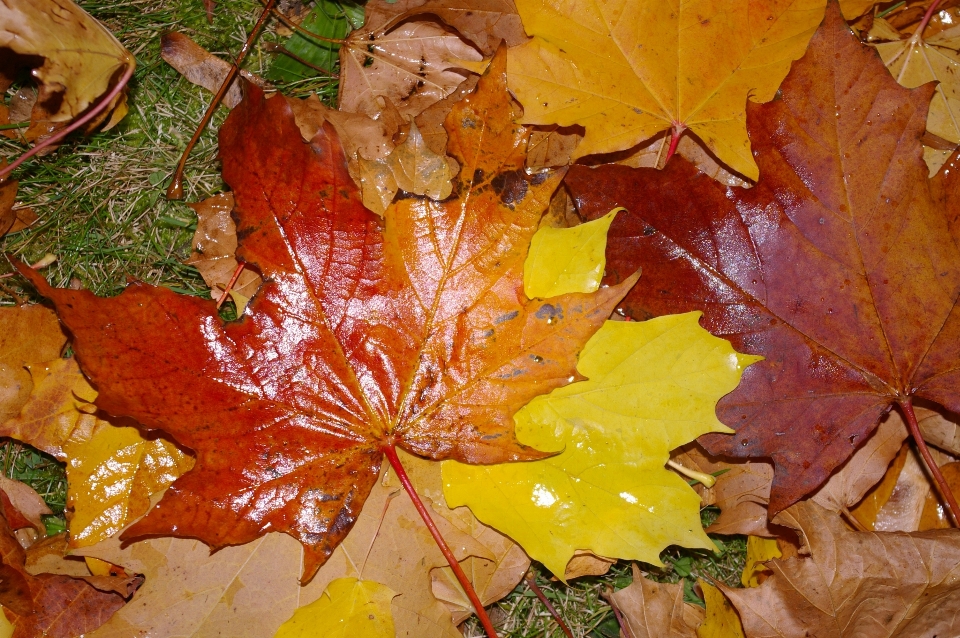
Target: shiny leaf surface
x: 412, y: 330
x: 838, y: 266
x: 652, y: 387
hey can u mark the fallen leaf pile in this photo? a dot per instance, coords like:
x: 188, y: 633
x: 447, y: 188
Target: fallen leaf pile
x: 488, y: 256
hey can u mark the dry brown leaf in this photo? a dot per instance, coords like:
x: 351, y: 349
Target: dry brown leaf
x: 741, y: 492
x: 199, y: 66
x: 411, y: 167
x: 587, y: 564
x: 362, y: 136
x: 8, y: 197
x: 484, y: 22
x: 81, y: 59
x: 902, y: 511
x: 249, y: 590
x: 214, y: 245
x: 49, y: 556
x: 430, y: 121
x: 940, y: 429
x: 855, y: 583
x: 934, y: 514
x: 413, y: 64
x: 26, y: 500
x: 552, y: 145
x: 28, y: 334
x: 656, y: 610
x: 25, y: 217
x: 865, y: 468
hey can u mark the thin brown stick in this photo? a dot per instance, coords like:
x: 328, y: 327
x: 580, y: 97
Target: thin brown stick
x: 907, y: 406
x: 391, y: 453
x: 624, y: 625
x: 175, y: 190
x: 92, y: 113
x: 531, y: 582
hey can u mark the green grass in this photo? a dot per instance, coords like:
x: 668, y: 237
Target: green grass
x: 103, y: 212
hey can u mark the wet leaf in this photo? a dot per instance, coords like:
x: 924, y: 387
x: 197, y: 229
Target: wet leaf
x: 348, y: 608
x: 652, y: 387
x: 838, y: 266
x: 28, y: 334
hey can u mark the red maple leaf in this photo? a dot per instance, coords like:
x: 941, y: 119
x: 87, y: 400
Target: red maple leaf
x: 838, y: 266
x: 410, y: 330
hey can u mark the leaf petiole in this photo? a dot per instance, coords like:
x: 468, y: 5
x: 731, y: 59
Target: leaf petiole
x: 391, y: 453
x: 907, y: 406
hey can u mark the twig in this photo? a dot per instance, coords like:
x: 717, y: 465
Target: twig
x: 391, y: 453
x: 279, y: 50
x: 531, y: 582
x: 175, y: 190
x: 233, y: 280
x: 907, y: 406
x: 280, y: 15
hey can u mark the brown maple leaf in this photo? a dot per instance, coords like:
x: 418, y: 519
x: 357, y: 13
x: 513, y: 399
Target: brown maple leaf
x: 53, y: 605
x: 838, y: 266
x: 410, y: 330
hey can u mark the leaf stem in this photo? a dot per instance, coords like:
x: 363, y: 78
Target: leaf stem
x: 276, y: 49
x: 675, y: 135
x: 230, y: 284
x: 391, y: 453
x: 926, y: 19
x: 175, y: 190
x: 290, y: 24
x: 907, y: 406
x: 531, y: 582
x: 92, y: 113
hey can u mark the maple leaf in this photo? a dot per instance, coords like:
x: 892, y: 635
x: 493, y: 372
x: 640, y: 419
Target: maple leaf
x: 655, y: 610
x: 895, y: 584
x: 112, y: 471
x: 28, y: 334
x: 411, y: 331
x: 347, y: 608
x: 916, y: 61
x: 837, y: 266
x: 53, y: 605
x: 80, y: 60
x: 628, y: 70
x: 214, y: 245
x: 411, y: 63
x: 652, y: 387
x: 247, y: 591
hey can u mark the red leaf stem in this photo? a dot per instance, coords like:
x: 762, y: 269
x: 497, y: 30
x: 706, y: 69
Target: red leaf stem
x: 532, y: 584
x: 907, y: 406
x: 391, y: 453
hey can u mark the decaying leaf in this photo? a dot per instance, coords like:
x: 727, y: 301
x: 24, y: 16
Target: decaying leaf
x: 942, y: 430
x: 844, y: 275
x: 485, y: 23
x: 28, y: 334
x: 112, y: 471
x: 26, y: 502
x: 214, y: 246
x: 915, y: 61
x: 607, y: 490
x: 904, y: 507
x: 81, y: 59
x: 413, y: 64
x: 855, y: 583
x: 247, y: 591
x: 628, y: 70
x: 935, y: 514
x: 199, y: 66
x: 418, y: 335
x: 411, y: 167
x: 656, y: 610
x: 52, y: 605
x: 348, y: 608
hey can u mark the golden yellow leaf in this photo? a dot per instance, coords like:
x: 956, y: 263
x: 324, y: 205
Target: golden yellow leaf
x: 628, y: 69
x: 111, y: 474
x: 563, y: 260
x: 759, y: 550
x: 28, y: 334
x: 348, y: 608
x: 653, y: 386
x: 81, y: 58
x: 721, y: 619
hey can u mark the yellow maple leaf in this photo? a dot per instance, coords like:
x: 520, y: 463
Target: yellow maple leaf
x: 759, y: 550
x: 652, y: 387
x: 348, y: 608
x: 629, y: 69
